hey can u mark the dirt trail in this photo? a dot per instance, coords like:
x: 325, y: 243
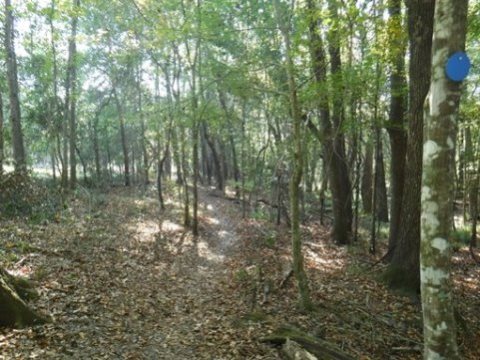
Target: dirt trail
x: 117, y: 290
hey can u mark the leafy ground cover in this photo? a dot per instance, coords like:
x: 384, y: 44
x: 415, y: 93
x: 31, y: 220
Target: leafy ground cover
x: 121, y: 284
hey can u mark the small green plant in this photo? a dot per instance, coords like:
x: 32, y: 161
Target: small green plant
x: 460, y: 238
x: 241, y: 275
x: 259, y: 214
x: 270, y: 240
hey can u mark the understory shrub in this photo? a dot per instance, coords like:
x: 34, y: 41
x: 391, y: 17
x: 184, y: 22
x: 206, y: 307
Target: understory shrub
x: 24, y: 196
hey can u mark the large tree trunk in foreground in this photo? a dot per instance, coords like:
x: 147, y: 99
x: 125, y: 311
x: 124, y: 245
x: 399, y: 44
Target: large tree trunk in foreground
x: 404, y: 268
x: 439, y: 327
x: 14, y: 312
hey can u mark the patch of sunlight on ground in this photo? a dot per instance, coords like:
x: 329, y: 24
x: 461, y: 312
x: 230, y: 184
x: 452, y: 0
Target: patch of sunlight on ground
x: 325, y: 264
x: 212, y: 220
x: 206, y: 252
x: 144, y: 231
x: 168, y: 225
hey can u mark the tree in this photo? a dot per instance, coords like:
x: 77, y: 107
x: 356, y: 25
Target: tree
x: 13, y: 309
x: 404, y: 268
x: 15, y: 114
x: 283, y: 21
x: 449, y: 34
x: 395, y: 125
x: 71, y: 94
x: 330, y: 134
x: 1, y: 134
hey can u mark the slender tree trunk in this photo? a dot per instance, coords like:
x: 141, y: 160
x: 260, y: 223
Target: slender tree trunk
x: 404, y: 268
x: 71, y: 107
x: 367, y: 177
x: 15, y: 114
x: 96, y: 148
x: 143, y: 141
x: 381, y: 208
x: 2, y: 152
x: 473, y: 198
x: 396, y: 123
x: 449, y: 32
x: 186, y: 202
x: 123, y: 138
x: 53, y: 126
x: 296, y: 177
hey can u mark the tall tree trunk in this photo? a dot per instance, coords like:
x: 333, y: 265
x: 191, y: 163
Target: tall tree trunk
x: 216, y: 158
x: 342, y: 182
x: 71, y: 102
x: 367, y: 177
x: 396, y: 123
x: 123, y: 138
x: 2, y: 152
x: 296, y: 177
x: 143, y: 142
x: 381, y: 201
x: 15, y: 114
x: 404, y: 268
x: 437, y: 186
x: 330, y: 135
x: 473, y: 208
x: 53, y: 124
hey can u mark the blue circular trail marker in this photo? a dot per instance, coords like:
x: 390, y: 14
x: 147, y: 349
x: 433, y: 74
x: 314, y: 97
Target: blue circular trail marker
x: 458, y: 66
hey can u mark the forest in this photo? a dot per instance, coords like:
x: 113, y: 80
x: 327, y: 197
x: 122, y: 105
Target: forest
x: 239, y: 179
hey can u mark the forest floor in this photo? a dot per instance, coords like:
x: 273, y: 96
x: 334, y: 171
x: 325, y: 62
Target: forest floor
x: 116, y: 287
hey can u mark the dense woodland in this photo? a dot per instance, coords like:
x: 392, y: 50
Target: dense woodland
x: 221, y: 179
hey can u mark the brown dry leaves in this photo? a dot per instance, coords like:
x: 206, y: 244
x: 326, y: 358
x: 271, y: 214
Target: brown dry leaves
x: 118, y: 288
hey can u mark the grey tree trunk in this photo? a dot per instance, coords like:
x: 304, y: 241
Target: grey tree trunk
x: 15, y: 114
x: 143, y: 142
x: 71, y: 100
x: 296, y: 177
x: 123, y: 137
x: 437, y: 186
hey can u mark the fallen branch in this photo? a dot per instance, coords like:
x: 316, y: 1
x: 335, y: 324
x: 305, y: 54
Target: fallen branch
x: 310, y: 345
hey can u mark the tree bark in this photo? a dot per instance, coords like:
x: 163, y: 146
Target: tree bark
x: 123, y: 137
x: 14, y: 312
x: 143, y: 141
x: 437, y: 186
x: 404, y: 268
x: 396, y: 123
x: 71, y: 98
x: 367, y: 177
x: 296, y: 177
x: 330, y: 134
x: 15, y: 114
x: 2, y: 152
x: 381, y: 201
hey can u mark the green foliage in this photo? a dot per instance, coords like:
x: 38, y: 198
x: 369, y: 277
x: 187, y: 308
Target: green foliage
x: 460, y: 238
